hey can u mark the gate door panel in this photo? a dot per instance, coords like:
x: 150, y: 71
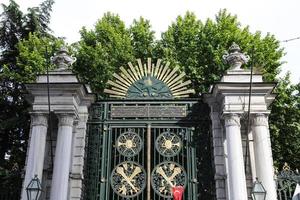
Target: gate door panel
x: 132, y: 155
x: 127, y: 167
x: 145, y: 162
x: 139, y: 142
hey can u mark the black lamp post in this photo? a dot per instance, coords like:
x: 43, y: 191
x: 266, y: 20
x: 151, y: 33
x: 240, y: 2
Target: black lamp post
x: 34, y: 189
x: 258, y: 191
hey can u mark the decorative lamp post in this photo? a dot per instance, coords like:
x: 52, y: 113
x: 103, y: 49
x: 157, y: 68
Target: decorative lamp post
x: 258, y: 191
x: 34, y: 189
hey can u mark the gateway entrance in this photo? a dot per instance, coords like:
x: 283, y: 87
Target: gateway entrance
x: 140, y: 141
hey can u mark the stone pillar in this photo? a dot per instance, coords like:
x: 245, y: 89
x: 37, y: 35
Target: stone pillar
x: 79, y: 135
x: 60, y: 179
x: 236, y: 170
x: 36, y: 151
x: 218, y: 152
x: 263, y: 154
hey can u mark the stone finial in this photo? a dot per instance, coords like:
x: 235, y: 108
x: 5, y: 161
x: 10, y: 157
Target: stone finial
x: 62, y: 59
x: 235, y: 58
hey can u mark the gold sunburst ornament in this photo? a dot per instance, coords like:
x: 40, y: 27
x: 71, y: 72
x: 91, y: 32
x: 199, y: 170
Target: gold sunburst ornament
x: 149, y: 81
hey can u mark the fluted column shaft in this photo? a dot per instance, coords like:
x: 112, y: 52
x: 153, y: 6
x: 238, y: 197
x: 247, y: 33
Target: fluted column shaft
x: 36, y: 151
x: 263, y: 154
x: 62, y: 161
x: 236, y: 171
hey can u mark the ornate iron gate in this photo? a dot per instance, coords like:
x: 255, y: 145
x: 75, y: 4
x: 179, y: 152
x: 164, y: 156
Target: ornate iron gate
x: 286, y: 181
x: 140, y: 141
x: 141, y: 157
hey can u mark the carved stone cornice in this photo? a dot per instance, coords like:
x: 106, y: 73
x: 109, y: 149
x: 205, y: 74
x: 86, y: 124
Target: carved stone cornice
x: 39, y: 119
x: 65, y: 119
x: 231, y: 119
x: 260, y: 120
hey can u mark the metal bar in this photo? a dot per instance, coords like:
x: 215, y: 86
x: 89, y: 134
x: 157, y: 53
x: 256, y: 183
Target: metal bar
x: 49, y: 108
x: 194, y: 172
x: 148, y: 161
x: 154, y: 154
x: 108, y: 155
x: 188, y: 166
x: 141, y: 154
x: 249, y: 121
x: 103, y: 163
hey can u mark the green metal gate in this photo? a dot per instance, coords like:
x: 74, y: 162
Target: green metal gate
x: 141, y: 155
x: 139, y: 143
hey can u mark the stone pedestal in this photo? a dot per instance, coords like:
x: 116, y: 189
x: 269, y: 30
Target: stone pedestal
x: 68, y: 99
x: 231, y: 95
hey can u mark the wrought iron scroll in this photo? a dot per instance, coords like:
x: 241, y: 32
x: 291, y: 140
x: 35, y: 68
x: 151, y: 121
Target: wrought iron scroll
x: 165, y: 176
x: 128, y: 179
x: 286, y: 181
x: 129, y: 144
x: 168, y: 144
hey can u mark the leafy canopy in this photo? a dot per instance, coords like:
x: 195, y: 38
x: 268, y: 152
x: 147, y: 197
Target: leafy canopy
x: 198, y: 48
x: 101, y: 51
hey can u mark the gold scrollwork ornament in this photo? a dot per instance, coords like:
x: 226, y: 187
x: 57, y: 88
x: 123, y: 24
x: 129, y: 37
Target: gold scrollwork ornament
x: 167, y: 175
x: 168, y: 144
x: 128, y: 179
x: 129, y: 144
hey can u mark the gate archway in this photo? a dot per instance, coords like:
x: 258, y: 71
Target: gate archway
x: 141, y: 139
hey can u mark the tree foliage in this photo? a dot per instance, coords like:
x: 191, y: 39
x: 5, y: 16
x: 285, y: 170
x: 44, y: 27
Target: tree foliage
x: 142, y: 38
x: 285, y: 124
x: 101, y: 51
x: 198, y: 47
x: 15, y: 27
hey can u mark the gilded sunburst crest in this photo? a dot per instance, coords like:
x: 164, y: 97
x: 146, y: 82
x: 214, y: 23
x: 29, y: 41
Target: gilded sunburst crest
x: 149, y: 80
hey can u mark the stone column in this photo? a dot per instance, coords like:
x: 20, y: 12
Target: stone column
x: 36, y: 151
x: 236, y: 170
x: 263, y: 154
x: 60, y: 179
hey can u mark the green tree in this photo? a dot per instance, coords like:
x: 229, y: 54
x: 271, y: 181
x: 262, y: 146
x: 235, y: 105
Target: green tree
x: 34, y: 56
x: 285, y: 124
x: 14, y: 118
x: 179, y: 44
x: 142, y: 38
x: 101, y: 51
x: 198, y: 47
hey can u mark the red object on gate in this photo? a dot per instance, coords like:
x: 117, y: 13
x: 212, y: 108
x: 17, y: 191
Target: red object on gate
x: 177, y: 192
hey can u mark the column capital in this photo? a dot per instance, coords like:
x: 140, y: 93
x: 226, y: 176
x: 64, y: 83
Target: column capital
x: 66, y: 119
x: 39, y: 119
x: 259, y: 119
x: 231, y: 119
